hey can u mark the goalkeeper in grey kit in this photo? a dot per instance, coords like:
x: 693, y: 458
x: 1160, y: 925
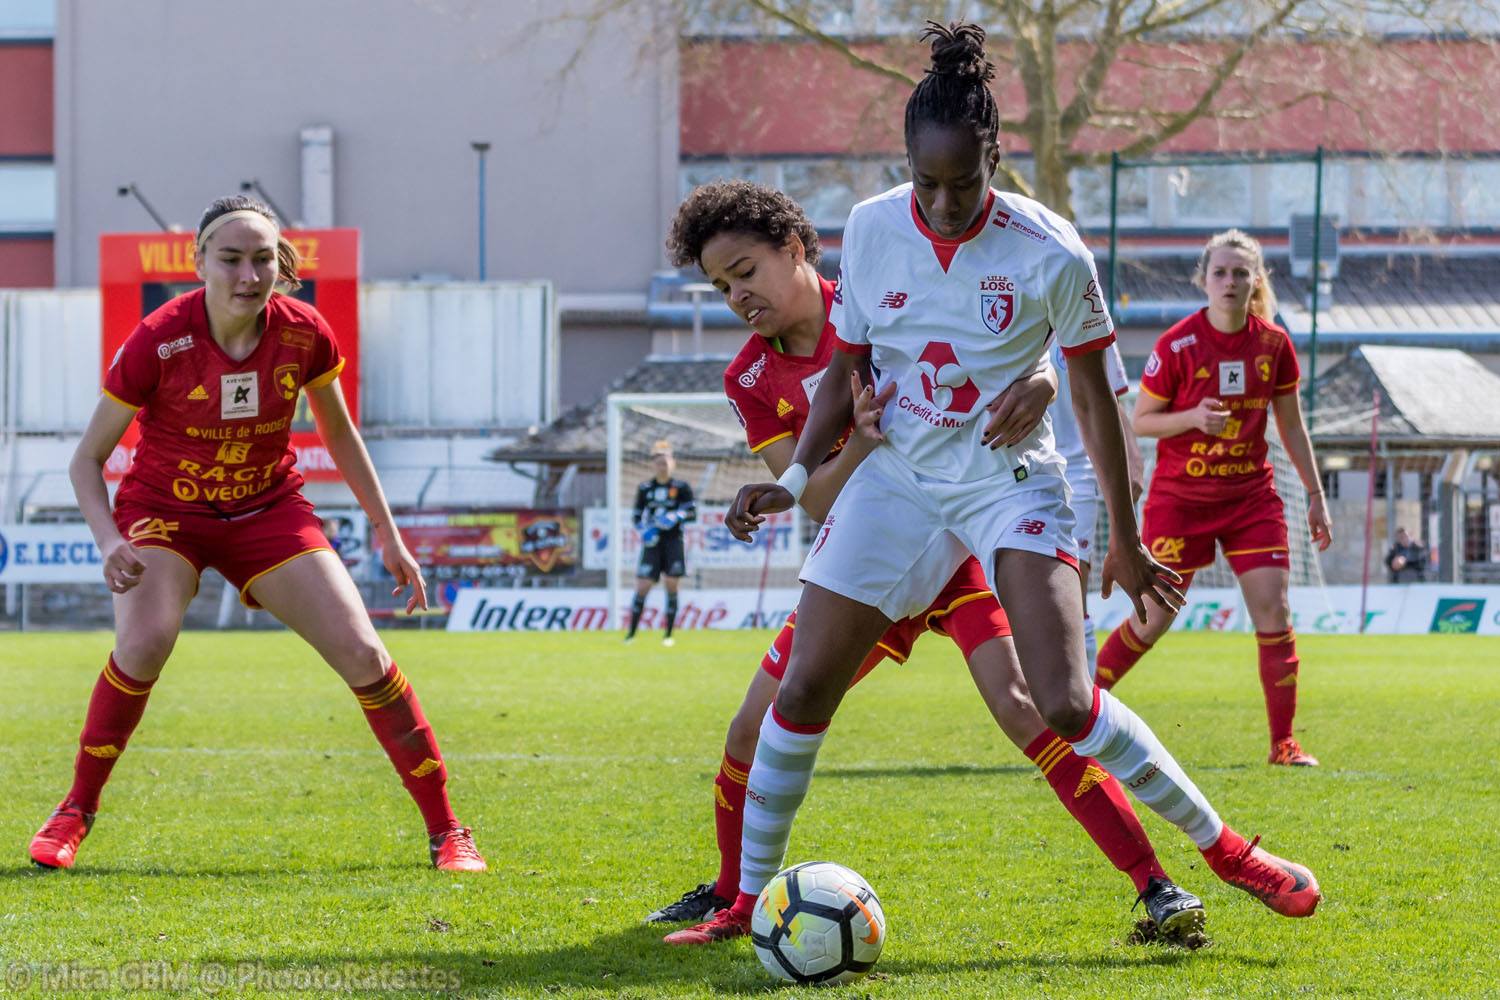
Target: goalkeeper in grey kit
x: 662, y: 506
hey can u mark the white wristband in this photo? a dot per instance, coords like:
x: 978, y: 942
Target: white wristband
x: 794, y: 481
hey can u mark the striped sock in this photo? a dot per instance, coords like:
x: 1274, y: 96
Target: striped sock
x: 1096, y: 801
x: 1278, y: 679
x: 777, y: 784
x: 115, y: 709
x: 729, y: 823
x: 1121, y: 651
x: 1127, y: 749
x: 394, y: 713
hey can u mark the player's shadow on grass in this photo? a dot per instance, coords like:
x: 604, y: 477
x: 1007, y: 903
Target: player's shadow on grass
x: 634, y: 958
x: 925, y: 771
x: 186, y: 872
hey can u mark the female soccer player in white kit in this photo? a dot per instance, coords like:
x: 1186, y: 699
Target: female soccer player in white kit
x: 952, y: 291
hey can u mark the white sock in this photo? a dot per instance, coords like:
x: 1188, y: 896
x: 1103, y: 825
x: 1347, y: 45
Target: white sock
x: 1091, y: 646
x: 779, y: 777
x: 1128, y: 749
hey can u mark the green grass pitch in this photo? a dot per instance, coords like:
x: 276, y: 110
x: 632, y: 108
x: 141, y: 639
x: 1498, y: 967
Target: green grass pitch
x: 254, y: 830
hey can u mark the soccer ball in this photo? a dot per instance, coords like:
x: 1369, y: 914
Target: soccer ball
x: 818, y: 922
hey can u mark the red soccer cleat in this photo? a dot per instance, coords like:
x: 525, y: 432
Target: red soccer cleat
x: 1285, y: 886
x: 725, y: 925
x: 454, y: 851
x: 56, y: 843
x: 1290, y: 753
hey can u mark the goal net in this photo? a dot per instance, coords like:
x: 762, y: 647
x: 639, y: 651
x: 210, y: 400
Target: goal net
x: 728, y: 584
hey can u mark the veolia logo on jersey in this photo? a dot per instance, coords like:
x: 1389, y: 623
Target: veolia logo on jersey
x: 997, y: 302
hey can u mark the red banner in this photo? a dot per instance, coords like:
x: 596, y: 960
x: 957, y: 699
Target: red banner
x: 139, y: 272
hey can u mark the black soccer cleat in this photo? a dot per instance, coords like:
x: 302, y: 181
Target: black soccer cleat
x: 1178, y: 914
x: 696, y: 905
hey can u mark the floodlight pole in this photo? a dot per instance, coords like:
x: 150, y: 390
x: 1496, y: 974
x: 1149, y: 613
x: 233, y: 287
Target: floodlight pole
x: 481, y: 148
x: 1317, y: 280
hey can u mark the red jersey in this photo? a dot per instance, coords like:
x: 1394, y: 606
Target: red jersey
x: 215, y: 433
x: 1192, y: 361
x: 772, y: 392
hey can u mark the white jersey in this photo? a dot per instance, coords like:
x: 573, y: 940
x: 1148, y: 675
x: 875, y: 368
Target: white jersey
x: 1081, y: 479
x: 952, y: 323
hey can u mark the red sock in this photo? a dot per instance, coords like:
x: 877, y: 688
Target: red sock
x: 729, y: 823
x: 744, y: 905
x: 1098, y: 803
x: 1227, y: 846
x: 393, y: 712
x: 115, y: 708
x: 1119, y: 653
x: 1278, y: 678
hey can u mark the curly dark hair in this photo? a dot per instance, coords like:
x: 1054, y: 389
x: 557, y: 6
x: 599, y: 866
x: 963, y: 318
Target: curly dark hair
x: 955, y: 89
x: 737, y: 207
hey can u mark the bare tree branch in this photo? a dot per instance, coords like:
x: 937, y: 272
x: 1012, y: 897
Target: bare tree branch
x: 804, y: 27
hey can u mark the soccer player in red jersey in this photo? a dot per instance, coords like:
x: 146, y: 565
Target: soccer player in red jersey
x: 951, y: 291
x: 1205, y: 393
x: 758, y: 248
x: 213, y: 378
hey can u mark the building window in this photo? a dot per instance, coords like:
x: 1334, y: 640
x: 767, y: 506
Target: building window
x: 28, y: 197
x: 1291, y: 189
x: 1091, y: 196
x: 1204, y: 195
x: 826, y: 189
x: 27, y: 20
x: 696, y: 174
x: 1479, y: 193
x: 1406, y: 192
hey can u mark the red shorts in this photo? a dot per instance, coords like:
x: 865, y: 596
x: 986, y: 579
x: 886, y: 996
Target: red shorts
x: 243, y: 547
x: 1251, y: 531
x: 966, y: 611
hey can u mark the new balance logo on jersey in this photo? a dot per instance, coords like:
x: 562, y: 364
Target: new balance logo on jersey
x: 199, y: 393
x: 1030, y: 526
x: 893, y: 300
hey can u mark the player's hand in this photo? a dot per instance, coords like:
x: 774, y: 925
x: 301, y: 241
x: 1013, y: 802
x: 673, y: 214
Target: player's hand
x: 1142, y: 578
x: 123, y: 568
x: 1015, y: 413
x: 402, y: 565
x: 869, y: 408
x: 650, y: 535
x: 1210, y: 416
x: 1319, y: 523
x: 750, y: 506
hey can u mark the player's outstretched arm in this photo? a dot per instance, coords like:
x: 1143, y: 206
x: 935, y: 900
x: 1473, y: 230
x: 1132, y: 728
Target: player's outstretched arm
x: 347, y: 449
x: 1127, y: 563
x: 122, y: 564
x: 832, y: 407
x: 1293, y: 430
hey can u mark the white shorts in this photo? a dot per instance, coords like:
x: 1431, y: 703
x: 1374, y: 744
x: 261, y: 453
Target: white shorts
x: 894, y: 538
x: 1085, y: 523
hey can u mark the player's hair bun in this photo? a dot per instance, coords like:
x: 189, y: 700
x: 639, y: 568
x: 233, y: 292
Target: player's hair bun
x: 958, y: 51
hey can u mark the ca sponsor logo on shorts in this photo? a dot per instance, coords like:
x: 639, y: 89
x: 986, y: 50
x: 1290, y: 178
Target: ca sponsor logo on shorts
x: 152, y: 528
x: 1168, y: 550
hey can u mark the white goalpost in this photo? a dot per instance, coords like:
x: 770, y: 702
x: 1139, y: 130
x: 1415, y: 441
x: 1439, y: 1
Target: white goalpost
x: 733, y: 582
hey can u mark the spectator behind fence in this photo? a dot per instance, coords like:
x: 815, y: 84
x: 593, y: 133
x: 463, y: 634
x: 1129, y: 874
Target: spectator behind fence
x: 1407, y: 559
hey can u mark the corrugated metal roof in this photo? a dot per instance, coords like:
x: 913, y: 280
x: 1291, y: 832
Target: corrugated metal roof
x: 1430, y: 394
